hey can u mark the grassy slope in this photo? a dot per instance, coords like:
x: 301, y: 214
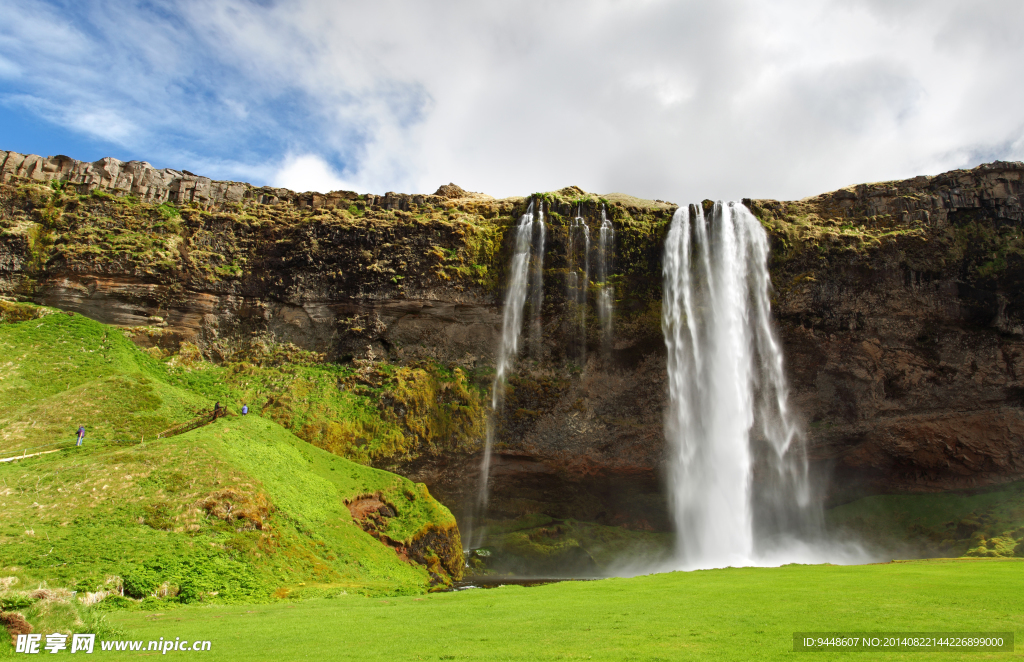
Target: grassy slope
x: 61, y: 371
x: 120, y: 507
x: 338, y: 408
x: 730, y: 614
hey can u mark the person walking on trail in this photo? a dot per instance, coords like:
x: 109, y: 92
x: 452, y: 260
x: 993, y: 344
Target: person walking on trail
x: 216, y: 411
x: 81, y: 435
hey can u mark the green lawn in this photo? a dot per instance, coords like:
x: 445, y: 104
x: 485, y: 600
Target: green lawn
x: 730, y: 614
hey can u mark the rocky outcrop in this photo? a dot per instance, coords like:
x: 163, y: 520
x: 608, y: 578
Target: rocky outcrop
x: 899, y: 305
x: 436, y: 546
x: 181, y: 187
x: 136, y: 178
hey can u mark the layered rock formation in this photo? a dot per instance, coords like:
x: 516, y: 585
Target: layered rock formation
x: 902, y: 313
x: 899, y: 305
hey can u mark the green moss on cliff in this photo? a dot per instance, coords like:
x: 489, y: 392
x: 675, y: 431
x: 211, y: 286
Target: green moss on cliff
x: 986, y: 523
x: 538, y: 545
x: 371, y: 412
x: 100, y: 232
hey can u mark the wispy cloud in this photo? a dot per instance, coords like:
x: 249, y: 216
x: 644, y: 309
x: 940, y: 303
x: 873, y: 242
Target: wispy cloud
x: 676, y: 100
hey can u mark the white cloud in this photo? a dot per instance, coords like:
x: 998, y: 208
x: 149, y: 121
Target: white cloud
x: 676, y: 100
x: 8, y: 69
x: 308, y: 172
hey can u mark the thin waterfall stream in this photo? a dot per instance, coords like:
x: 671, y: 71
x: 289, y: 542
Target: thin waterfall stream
x: 511, y: 326
x: 606, y: 293
x: 579, y: 278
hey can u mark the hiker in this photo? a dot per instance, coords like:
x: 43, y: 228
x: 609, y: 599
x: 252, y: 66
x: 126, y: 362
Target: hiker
x: 245, y: 409
x: 81, y: 435
x: 216, y: 411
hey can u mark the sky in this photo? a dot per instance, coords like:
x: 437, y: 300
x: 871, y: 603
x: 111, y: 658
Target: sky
x: 674, y: 100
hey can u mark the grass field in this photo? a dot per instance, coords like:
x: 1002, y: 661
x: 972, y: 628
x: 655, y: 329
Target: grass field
x: 729, y: 614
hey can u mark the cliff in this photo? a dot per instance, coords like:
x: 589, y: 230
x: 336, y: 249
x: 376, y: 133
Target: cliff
x: 898, y: 304
x: 902, y: 312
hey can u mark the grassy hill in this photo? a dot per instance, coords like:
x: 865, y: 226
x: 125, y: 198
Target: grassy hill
x: 236, y: 510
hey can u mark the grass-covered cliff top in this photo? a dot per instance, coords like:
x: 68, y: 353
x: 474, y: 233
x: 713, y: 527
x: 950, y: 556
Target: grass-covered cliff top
x: 401, y: 245
x: 391, y: 243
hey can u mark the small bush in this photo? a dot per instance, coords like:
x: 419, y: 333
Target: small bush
x: 112, y: 602
x: 140, y: 583
x: 169, y: 211
x: 15, y: 624
x: 159, y: 516
x: 13, y: 602
x: 189, y: 592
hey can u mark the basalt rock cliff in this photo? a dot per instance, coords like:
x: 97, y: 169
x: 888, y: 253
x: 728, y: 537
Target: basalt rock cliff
x: 900, y: 306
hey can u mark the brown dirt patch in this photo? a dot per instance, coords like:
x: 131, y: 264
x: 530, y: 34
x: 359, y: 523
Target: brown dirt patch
x: 369, y: 504
x: 248, y: 511
x: 15, y: 624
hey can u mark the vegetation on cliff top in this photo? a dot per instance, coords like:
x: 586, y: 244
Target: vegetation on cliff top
x: 381, y: 248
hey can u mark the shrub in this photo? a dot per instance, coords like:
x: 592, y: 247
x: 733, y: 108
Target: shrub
x: 139, y: 583
x: 188, y: 592
x: 115, y: 602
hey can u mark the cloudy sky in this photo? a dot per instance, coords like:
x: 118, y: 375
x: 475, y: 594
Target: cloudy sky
x: 673, y: 100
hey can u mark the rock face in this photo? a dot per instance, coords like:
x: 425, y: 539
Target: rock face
x: 903, y: 328
x: 900, y: 306
x: 135, y: 177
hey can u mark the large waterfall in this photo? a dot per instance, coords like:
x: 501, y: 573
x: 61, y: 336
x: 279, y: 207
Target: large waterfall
x: 739, y: 484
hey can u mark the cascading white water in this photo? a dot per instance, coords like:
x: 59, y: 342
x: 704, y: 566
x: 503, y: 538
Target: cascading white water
x: 579, y: 279
x: 515, y: 300
x: 511, y: 325
x: 605, y: 295
x: 537, y: 281
x: 739, y: 476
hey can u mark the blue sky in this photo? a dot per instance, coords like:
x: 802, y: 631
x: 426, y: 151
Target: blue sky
x: 675, y: 100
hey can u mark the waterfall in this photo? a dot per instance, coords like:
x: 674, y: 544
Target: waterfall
x: 606, y: 294
x: 738, y: 477
x: 515, y: 299
x: 579, y: 280
x: 537, y: 282
x: 511, y: 325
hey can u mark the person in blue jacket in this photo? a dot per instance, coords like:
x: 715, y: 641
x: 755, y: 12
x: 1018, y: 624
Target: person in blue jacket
x: 81, y: 435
